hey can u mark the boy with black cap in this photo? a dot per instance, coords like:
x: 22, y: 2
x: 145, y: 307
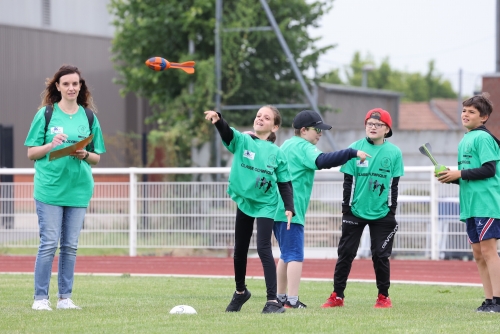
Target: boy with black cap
x: 304, y: 159
x: 370, y: 198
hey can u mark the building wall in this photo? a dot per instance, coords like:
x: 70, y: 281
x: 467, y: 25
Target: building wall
x: 85, y: 17
x: 491, y: 84
x: 349, y: 105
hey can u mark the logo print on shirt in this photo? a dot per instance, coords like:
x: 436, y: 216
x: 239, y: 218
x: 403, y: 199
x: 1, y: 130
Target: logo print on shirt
x: 82, y: 129
x: 261, y: 182
x: 386, y: 162
x: 271, y: 161
x: 363, y: 164
x: 376, y: 185
x: 248, y: 154
x: 468, y: 147
x: 56, y: 129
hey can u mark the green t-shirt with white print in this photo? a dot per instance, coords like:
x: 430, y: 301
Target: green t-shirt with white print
x: 301, y: 156
x: 66, y: 181
x: 257, y: 167
x: 479, y: 198
x: 372, y: 179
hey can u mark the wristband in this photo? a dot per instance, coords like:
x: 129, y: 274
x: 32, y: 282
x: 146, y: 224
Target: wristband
x: 86, y: 156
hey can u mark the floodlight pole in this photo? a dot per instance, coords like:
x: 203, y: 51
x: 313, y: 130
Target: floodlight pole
x: 218, y: 77
x: 295, y: 68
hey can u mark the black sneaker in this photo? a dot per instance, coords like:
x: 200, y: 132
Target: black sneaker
x: 485, y: 305
x: 298, y: 304
x: 273, y: 307
x: 492, y: 308
x: 238, y: 301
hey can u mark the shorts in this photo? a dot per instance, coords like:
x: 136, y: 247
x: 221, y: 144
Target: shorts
x: 481, y: 228
x: 291, y: 242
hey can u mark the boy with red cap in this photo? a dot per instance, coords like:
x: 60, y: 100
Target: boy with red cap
x: 369, y: 198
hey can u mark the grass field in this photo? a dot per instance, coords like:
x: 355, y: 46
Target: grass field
x: 131, y: 304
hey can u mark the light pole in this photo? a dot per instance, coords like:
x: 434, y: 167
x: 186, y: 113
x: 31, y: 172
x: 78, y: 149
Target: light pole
x: 366, y: 68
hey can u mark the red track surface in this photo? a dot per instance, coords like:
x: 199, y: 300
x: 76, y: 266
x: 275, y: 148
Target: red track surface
x: 401, y: 270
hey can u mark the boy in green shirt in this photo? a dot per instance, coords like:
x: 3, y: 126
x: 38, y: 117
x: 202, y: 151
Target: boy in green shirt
x: 304, y: 159
x: 370, y: 198
x: 478, y: 176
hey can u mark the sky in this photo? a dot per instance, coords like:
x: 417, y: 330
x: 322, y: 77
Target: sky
x: 456, y: 34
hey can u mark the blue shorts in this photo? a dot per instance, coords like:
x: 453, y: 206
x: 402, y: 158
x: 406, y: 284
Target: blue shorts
x: 291, y: 242
x: 481, y: 228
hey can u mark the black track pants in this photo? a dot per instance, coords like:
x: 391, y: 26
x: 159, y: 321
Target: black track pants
x: 242, y: 234
x: 382, y: 233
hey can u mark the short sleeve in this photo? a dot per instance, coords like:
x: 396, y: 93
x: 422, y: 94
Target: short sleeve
x: 350, y: 166
x: 237, y: 137
x: 487, y: 149
x: 36, y: 133
x: 98, y: 139
x: 282, y: 173
x: 398, y: 169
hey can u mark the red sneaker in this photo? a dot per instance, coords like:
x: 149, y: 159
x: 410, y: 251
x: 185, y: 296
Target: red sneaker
x: 333, y: 301
x: 383, y: 302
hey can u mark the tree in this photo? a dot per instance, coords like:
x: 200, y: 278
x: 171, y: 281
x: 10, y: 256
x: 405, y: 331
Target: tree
x: 414, y: 86
x: 255, y: 69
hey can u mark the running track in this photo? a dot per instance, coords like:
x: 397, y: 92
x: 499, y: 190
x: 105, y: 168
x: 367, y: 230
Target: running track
x: 452, y: 271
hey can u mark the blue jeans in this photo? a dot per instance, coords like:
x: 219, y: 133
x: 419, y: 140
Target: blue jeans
x: 57, y: 222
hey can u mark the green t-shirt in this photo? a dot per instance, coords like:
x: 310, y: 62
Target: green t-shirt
x: 257, y: 166
x: 479, y: 198
x: 301, y: 156
x: 372, y: 179
x: 65, y: 181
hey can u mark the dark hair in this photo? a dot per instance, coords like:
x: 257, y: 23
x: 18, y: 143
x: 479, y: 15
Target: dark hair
x: 297, y: 132
x: 482, y: 103
x: 51, y: 95
x: 277, y: 121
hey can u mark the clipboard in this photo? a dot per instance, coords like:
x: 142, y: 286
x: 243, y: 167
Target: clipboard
x: 63, y: 152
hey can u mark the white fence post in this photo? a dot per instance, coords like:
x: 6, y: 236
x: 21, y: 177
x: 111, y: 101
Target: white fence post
x: 133, y: 213
x: 434, y: 217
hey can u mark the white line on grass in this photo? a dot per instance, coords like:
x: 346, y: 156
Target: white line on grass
x: 258, y: 277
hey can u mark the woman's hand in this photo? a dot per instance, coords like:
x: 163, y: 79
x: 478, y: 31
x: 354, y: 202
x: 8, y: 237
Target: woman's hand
x: 58, y: 140
x: 79, y: 154
x: 211, y: 116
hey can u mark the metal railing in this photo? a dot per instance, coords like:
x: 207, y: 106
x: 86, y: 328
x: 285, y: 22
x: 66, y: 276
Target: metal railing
x: 166, y: 215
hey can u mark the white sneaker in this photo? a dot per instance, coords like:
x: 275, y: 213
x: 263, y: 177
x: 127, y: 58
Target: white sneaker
x: 66, y: 304
x: 41, y: 304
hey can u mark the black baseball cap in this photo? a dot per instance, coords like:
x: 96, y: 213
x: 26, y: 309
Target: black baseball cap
x: 309, y: 118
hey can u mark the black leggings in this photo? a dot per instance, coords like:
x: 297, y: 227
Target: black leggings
x: 382, y: 233
x: 243, y: 231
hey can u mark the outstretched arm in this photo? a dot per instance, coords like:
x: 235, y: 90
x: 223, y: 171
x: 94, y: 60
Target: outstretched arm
x: 221, y: 125
x: 334, y: 159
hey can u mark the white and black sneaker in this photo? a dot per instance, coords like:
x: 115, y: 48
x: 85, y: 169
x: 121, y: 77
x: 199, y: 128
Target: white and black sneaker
x: 298, y: 304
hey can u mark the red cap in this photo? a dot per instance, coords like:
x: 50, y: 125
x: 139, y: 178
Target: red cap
x: 381, y: 115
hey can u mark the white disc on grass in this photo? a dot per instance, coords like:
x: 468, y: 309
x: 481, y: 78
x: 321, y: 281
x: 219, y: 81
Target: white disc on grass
x: 182, y: 309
